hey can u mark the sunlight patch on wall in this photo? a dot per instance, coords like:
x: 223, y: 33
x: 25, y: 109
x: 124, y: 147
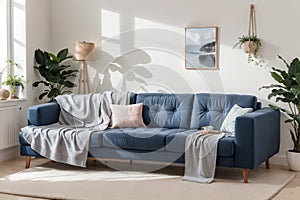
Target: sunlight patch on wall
x: 110, y: 24
x: 141, y: 23
x: 161, y: 36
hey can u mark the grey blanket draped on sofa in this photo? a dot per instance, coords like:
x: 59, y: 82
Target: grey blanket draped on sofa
x: 68, y: 140
x: 201, y: 157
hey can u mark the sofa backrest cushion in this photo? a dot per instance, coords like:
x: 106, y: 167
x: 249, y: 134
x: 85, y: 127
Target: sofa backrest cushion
x: 132, y: 98
x: 211, y: 109
x: 166, y: 110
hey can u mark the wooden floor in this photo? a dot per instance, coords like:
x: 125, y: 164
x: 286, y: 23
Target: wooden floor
x: 290, y: 192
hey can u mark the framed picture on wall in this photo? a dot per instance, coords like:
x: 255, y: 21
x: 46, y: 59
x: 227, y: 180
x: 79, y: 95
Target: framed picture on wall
x: 201, y: 48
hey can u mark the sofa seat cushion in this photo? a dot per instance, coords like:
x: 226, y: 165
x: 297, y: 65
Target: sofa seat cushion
x: 176, y: 143
x: 96, y: 139
x: 138, y: 138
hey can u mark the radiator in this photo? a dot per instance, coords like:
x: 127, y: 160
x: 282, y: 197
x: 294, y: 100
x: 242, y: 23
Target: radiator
x: 9, y: 127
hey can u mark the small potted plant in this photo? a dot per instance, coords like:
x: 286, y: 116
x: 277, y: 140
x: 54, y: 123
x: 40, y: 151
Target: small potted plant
x: 251, y: 44
x: 15, y: 82
x: 287, y: 90
x: 9, y: 63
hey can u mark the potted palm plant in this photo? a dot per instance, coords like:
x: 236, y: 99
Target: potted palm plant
x: 287, y: 90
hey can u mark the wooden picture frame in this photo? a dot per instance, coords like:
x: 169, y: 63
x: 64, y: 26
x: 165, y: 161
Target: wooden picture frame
x: 201, y: 48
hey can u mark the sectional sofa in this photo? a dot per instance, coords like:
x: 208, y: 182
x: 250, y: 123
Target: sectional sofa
x: 170, y: 118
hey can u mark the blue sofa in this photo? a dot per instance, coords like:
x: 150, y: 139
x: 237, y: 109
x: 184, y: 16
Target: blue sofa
x: 170, y: 118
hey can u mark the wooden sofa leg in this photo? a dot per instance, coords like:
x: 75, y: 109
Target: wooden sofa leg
x: 245, y: 175
x: 267, y: 164
x: 28, y: 159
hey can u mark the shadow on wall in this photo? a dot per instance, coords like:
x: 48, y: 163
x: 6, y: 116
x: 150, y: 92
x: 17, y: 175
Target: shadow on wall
x: 129, y: 66
x: 268, y: 52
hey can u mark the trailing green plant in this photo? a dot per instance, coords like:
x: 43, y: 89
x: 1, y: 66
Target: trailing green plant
x: 245, y: 38
x: 288, y: 91
x: 54, y: 72
x: 13, y: 81
x: 9, y: 62
x: 256, y: 43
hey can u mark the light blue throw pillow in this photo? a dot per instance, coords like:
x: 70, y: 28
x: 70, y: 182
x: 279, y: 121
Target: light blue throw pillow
x: 228, y: 125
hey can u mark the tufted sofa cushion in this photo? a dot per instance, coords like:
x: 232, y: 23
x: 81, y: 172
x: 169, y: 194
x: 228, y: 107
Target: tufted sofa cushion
x: 166, y: 110
x: 211, y: 109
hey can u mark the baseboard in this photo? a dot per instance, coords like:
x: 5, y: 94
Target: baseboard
x: 8, y: 154
x: 279, y: 160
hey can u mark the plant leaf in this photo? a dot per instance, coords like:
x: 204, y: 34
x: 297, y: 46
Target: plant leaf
x: 53, y: 93
x: 293, y: 138
x: 69, y: 71
x: 54, y: 58
x: 40, y: 57
x: 287, y: 65
x: 277, y: 77
x: 36, y: 84
x: 43, y: 95
x: 63, y: 54
x: 297, y: 75
x: 294, y: 66
x: 69, y: 84
x: 271, y: 86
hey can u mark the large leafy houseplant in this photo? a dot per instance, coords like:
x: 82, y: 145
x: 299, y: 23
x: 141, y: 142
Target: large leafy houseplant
x: 54, y: 72
x: 288, y: 91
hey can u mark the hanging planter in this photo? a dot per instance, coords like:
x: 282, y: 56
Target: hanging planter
x: 251, y: 47
x: 251, y: 42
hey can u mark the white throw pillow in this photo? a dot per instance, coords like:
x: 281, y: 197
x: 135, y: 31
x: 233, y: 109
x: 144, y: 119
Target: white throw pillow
x: 228, y: 125
x: 129, y: 116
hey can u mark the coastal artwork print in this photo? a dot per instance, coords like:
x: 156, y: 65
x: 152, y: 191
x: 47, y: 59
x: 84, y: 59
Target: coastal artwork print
x: 201, y: 48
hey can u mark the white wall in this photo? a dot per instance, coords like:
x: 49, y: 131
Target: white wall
x: 38, y: 35
x: 145, y: 42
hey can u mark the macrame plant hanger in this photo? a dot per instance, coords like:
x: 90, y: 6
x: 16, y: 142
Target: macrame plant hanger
x: 251, y: 47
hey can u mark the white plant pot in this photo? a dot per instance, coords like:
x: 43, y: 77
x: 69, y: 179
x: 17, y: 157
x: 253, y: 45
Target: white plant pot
x: 293, y: 159
x: 16, y: 93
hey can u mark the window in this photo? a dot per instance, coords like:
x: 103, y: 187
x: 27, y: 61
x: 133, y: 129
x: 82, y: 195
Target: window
x: 4, y: 34
x: 18, y: 36
x: 13, y: 37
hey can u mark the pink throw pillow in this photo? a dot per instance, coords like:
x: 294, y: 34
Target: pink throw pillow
x: 129, y: 116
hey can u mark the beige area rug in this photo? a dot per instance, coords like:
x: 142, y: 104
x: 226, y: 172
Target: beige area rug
x: 58, y: 181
